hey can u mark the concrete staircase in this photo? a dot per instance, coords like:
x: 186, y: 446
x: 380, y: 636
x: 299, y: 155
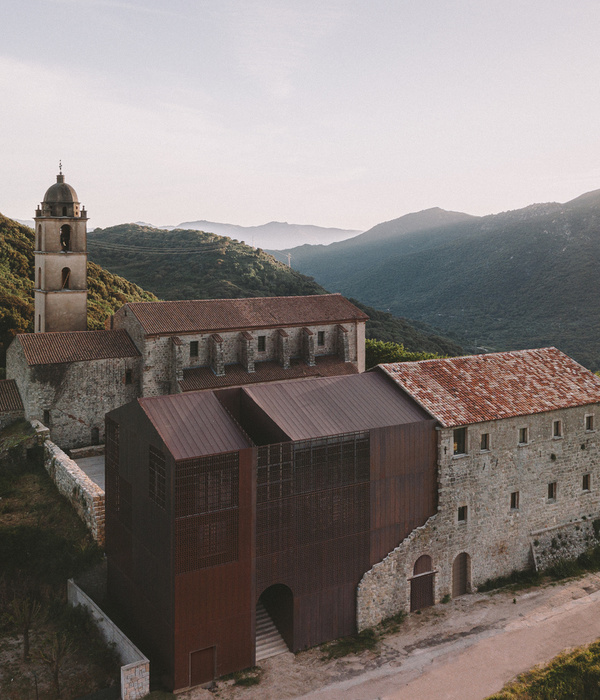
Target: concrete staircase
x: 268, y: 640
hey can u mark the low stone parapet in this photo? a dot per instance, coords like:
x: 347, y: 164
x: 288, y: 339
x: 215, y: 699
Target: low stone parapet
x: 135, y: 671
x: 86, y: 497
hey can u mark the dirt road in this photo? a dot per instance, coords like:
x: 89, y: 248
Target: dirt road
x: 467, y: 649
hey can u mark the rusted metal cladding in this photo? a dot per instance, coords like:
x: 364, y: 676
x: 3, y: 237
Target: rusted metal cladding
x: 403, y: 483
x: 312, y: 531
x: 214, y: 545
x: 138, y: 532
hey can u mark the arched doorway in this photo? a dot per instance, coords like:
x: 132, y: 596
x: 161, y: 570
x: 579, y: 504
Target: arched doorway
x: 278, y: 602
x: 421, y: 583
x: 461, y: 575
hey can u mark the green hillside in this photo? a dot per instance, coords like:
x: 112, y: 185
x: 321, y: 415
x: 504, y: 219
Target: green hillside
x: 191, y: 264
x: 106, y: 291
x: 519, y: 279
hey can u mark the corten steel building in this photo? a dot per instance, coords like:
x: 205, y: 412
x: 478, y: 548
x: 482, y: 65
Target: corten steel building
x: 280, y: 494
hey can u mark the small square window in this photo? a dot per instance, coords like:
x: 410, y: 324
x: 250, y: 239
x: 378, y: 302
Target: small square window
x: 552, y: 491
x: 321, y: 338
x: 460, y: 441
x: 485, y: 442
x: 128, y: 376
x: 514, y: 500
x: 585, y: 483
x: 523, y: 436
x: 589, y: 422
x: 262, y: 343
x: 194, y: 348
x: 557, y: 428
x: 462, y: 514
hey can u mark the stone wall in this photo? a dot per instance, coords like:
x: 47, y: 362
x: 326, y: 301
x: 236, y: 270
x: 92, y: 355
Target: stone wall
x: 497, y: 537
x: 9, y: 417
x: 73, y: 398
x: 86, y: 497
x: 135, y: 672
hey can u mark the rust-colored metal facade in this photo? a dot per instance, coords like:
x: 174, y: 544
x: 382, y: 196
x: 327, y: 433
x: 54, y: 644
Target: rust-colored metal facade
x: 193, y: 543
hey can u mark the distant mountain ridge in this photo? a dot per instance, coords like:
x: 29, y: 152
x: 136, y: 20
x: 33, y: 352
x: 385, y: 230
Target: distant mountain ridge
x: 521, y: 278
x: 188, y: 264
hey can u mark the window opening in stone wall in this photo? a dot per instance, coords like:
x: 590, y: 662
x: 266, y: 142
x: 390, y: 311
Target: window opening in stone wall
x: 552, y: 491
x: 262, y: 343
x: 66, y: 276
x: 589, y: 422
x: 586, y: 481
x: 95, y: 436
x: 128, y: 376
x: 194, y: 348
x: 47, y: 419
x: 321, y: 338
x: 523, y: 436
x: 157, y: 477
x: 64, y: 211
x: 485, y: 442
x: 39, y: 277
x: 460, y: 441
x: 65, y: 238
x: 514, y: 500
x: 462, y: 514
x: 557, y: 428
x: 39, y: 322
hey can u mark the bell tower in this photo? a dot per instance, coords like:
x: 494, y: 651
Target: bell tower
x: 60, y: 285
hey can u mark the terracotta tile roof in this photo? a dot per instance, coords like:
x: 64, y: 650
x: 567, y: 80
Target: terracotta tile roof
x: 476, y: 388
x: 235, y: 375
x: 210, y: 315
x: 10, y: 399
x: 75, y: 346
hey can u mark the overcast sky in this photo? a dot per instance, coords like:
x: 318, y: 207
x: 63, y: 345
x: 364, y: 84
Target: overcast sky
x: 338, y: 113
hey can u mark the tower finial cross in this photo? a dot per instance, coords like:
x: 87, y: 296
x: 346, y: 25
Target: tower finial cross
x: 60, y: 167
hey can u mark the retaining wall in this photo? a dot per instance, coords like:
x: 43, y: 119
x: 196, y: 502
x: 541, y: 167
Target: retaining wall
x: 135, y: 671
x: 86, y: 497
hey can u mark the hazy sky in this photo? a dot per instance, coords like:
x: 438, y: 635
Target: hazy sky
x: 333, y: 112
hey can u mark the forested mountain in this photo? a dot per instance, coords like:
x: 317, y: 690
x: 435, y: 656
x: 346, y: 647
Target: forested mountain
x: 182, y: 264
x: 106, y: 291
x: 519, y: 279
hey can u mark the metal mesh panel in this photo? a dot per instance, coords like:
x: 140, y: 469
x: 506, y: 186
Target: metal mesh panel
x: 313, y: 512
x: 206, y: 510
x: 206, y: 540
x: 207, y: 485
x: 157, y: 476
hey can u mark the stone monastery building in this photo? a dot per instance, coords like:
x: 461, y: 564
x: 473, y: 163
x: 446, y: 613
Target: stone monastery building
x: 237, y: 494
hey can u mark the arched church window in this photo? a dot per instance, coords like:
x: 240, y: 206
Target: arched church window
x: 66, y: 275
x: 39, y: 277
x: 65, y: 237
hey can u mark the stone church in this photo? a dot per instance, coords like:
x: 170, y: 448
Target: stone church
x: 68, y: 378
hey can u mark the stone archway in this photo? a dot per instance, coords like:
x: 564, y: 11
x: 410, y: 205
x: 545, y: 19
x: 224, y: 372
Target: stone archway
x: 421, y: 584
x: 461, y: 575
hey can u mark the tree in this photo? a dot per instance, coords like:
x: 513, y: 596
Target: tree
x: 378, y: 352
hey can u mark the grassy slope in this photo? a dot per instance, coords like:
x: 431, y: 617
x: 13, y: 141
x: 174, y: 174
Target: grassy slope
x: 42, y: 544
x: 519, y: 279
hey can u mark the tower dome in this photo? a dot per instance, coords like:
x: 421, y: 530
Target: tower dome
x: 60, y: 192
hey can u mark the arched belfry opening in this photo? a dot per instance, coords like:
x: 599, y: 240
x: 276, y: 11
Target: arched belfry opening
x: 65, y: 238
x: 274, y: 621
x: 61, y: 228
